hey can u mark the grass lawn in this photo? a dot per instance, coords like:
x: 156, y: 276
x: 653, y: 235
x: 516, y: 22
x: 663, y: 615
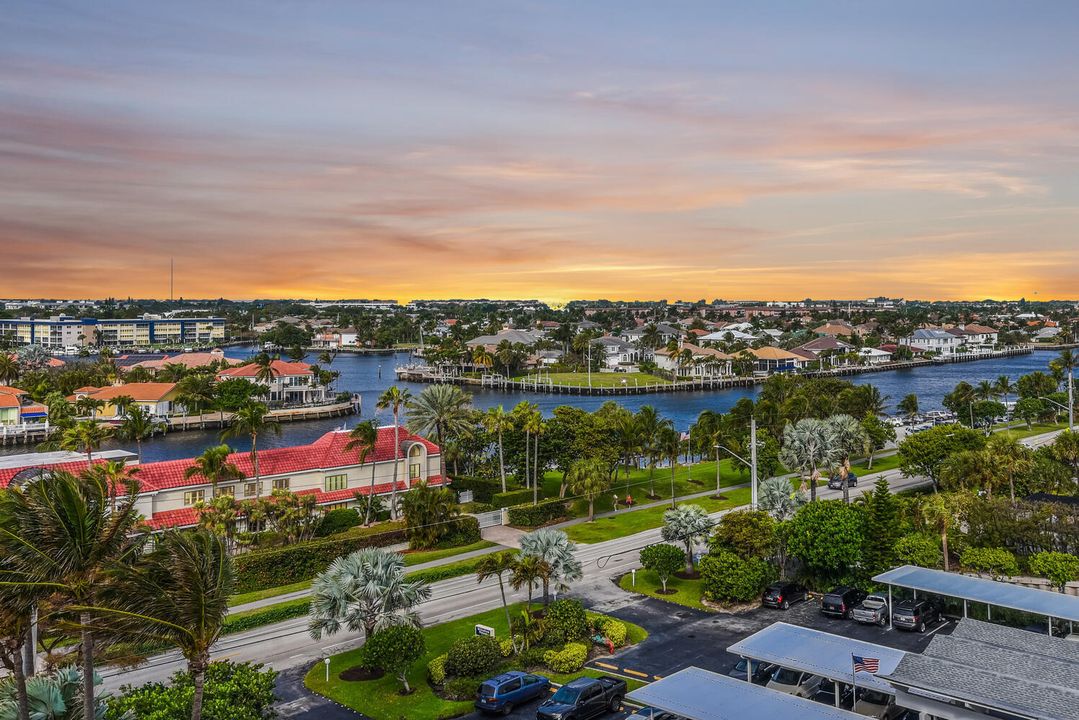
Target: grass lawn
x: 1021, y: 432
x: 598, y: 379
x: 880, y: 464
x: 379, y: 699
x: 418, y: 557
x: 244, y: 598
x: 634, y: 521
x: 687, y: 592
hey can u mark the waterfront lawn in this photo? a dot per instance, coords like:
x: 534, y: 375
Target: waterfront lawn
x: 634, y: 521
x: 380, y: 698
x: 599, y: 380
x: 686, y: 592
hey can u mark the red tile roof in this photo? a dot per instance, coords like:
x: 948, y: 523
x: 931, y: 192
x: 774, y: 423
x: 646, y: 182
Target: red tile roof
x: 145, y: 392
x: 75, y: 467
x: 280, y: 369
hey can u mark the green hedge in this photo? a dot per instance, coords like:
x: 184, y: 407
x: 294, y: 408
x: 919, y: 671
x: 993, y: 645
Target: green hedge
x: 513, y: 497
x: 266, y: 616
x: 483, y: 489
x: 536, y: 515
x: 296, y: 563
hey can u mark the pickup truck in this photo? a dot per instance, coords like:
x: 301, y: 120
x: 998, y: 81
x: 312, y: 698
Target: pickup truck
x: 583, y: 698
x: 871, y: 611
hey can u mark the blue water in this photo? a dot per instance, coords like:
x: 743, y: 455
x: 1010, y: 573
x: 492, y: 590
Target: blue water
x: 370, y: 375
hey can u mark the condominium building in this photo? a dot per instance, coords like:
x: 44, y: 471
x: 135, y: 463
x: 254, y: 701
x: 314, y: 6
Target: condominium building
x: 63, y: 331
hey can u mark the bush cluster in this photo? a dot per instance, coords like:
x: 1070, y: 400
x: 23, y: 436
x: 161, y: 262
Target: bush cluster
x: 513, y: 497
x: 462, y: 531
x: 233, y: 691
x: 272, y: 614
x: 727, y: 577
x: 461, y: 688
x: 436, y: 669
x: 536, y: 515
x: 473, y: 656
x: 565, y: 621
x: 997, y: 562
x: 918, y: 549
x: 483, y: 489
x: 505, y: 646
x: 570, y: 658
x: 614, y: 630
x: 337, y: 520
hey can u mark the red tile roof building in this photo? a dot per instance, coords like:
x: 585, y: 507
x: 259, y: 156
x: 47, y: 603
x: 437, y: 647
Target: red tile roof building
x: 293, y: 383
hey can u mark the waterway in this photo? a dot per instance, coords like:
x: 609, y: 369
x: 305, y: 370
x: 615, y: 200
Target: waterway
x: 369, y: 375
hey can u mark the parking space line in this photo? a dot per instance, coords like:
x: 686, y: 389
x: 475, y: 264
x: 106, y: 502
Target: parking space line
x: 635, y: 672
x: 658, y: 677
x: 604, y: 665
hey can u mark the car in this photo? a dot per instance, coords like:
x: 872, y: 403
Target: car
x: 760, y: 673
x: 651, y: 713
x: 841, y: 601
x: 783, y: 595
x: 871, y: 611
x: 875, y: 704
x: 794, y: 682
x: 835, y: 482
x: 583, y: 698
x: 826, y: 694
x: 504, y: 692
x: 914, y: 614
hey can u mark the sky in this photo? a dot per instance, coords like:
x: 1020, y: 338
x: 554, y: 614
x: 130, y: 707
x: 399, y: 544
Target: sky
x: 529, y: 149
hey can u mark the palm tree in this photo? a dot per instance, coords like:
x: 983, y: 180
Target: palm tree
x: 394, y: 398
x: 628, y: 433
x: 848, y: 437
x: 1013, y: 458
x: 651, y: 338
x: 87, y: 405
x: 670, y: 447
x: 213, y: 465
x: 196, y: 393
x: 650, y: 427
x: 909, y: 405
x: 498, y: 421
x: 527, y: 570
x: 1065, y: 364
x: 536, y: 427
x: 251, y: 420
x: 442, y: 411
x: 62, y: 535
x: 587, y: 479
x: 123, y: 403
x: 366, y: 590
x: 9, y: 368
x: 265, y: 372
x: 178, y: 594
x: 972, y: 470
x: 17, y: 604
x: 85, y: 436
x: 774, y: 496
x: 557, y: 552
x: 1004, y: 387
x: 496, y: 565
x: 362, y: 439
x: 687, y: 524
x: 172, y: 372
x: 985, y: 390
x: 137, y: 425
x: 808, y: 445
x: 938, y: 511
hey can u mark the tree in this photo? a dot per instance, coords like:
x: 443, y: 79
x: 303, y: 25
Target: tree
x: 49, y: 697
x: 879, y: 434
x: 1029, y: 409
x: 748, y: 533
x: 252, y: 420
x: 729, y: 577
x: 366, y: 590
x: 527, y: 571
x: 176, y: 595
x: 64, y: 534
x: 442, y: 411
x: 428, y: 511
x: 924, y: 453
x: 908, y: 405
x: 687, y: 524
x: 497, y: 422
x: 496, y: 565
x: 213, y: 465
x: 196, y: 393
x: 918, y: 549
x: 651, y: 428
x: 556, y: 550
x: 137, y: 425
x: 1065, y: 449
x: 1012, y: 457
x: 1004, y: 387
x: 881, y: 528
x: 587, y: 479
x: 1035, y: 385
x: 17, y: 604
x: 938, y: 511
x: 394, y: 399
x: 775, y: 496
x: 847, y: 437
x: 664, y: 560
x: 1059, y: 567
x: 996, y: 562
x: 395, y: 649
x: 9, y: 368
x: 85, y: 436
x: 362, y: 439
x: 234, y: 691
x: 809, y: 445
x: 828, y: 538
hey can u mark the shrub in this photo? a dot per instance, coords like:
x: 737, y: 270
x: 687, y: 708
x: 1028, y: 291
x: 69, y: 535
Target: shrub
x: 569, y: 659
x: 483, y: 489
x: 473, y: 656
x: 565, y: 621
x: 266, y: 616
x: 918, y: 549
x: 461, y: 688
x: 395, y: 649
x: 505, y: 647
x: 513, y: 497
x: 663, y: 559
x: 233, y: 691
x: 436, y: 669
x: 337, y: 520
x: 1060, y: 568
x: 726, y: 576
x: 536, y: 515
x: 996, y: 562
x: 614, y: 630
x: 477, y: 507
x: 462, y: 531
x: 296, y: 563
x: 531, y: 657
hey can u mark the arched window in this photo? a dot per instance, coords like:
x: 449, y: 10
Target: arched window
x: 417, y: 458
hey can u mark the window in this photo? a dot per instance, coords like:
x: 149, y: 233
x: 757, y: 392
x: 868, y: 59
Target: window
x: 415, y: 470
x: 193, y: 496
x: 280, y: 484
x: 336, y: 482
x: 229, y: 490
x: 249, y: 489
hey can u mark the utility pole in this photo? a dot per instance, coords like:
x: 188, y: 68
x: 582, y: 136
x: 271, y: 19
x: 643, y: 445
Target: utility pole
x: 1071, y: 400
x: 753, y: 462
x: 172, y: 274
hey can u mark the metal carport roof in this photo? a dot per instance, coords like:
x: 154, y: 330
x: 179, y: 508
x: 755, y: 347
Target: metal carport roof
x: 698, y: 694
x: 820, y: 653
x: 991, y: 592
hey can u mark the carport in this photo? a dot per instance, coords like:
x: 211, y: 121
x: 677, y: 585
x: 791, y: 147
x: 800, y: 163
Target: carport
x: 820, y: 653
x: 1051, y: 605
x: 698, y: 694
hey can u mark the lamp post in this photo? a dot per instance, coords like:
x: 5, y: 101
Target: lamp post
x: 1070, y: 408
x: 752, y: 462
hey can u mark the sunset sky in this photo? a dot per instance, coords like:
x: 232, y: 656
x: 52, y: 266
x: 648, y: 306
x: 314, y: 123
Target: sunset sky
x: 677, y: 150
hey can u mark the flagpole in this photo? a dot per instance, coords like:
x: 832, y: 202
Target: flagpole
x: 853, y: 683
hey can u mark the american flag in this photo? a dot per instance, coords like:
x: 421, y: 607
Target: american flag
x: 865, y: 664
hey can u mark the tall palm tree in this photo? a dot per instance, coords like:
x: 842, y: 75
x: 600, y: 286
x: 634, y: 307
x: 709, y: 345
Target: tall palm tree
x: 651, y: 424
x: 938, y: 511
x: 196, y: 393
x: 251, y: 420
x: 522, y: 414
x: 587, y: 479
x: 1065, y: 363
x: 123, y: 403
x: 1004, y: 387
x: 17, y: 604
x: 848, y: 437
x: 362, y: 439
x: 497, y: 421
x: 527, y: 570
x: 61, y: 534
x: 535, y: 426
x: 442, y: 411
x: 496, y: 565
x: 972, y: 470
x: 178, y: 594
x: 264, y: 372
x: 807, y: 447
x: 137, y: 425
x: 557, y: 552
x: 628, y: 433
x: 213, y: 465
x: 85, y: 436
x: 985, y: 390
x: 1014, y: 458
x: 394, y: 398
x: 9, y: 368
x: 87, y: 405
x: 670, y: 446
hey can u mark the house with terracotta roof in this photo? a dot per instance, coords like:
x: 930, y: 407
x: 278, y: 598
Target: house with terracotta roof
x: 188, y: 359
x: 325, y: 469
x: 704, y: 362
x: 157, y: 398
x: 292, y: 383
x: 16, y: 407
x: 974, y: 336
x: 834, y: 328
x: 773, y: 359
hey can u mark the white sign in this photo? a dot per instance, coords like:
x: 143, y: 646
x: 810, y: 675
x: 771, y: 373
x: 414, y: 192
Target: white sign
x: 485, y: 630
x: 465, y: 496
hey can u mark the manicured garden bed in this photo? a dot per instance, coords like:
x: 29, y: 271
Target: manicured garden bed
x: 686, y: 592
x: 635, y: 521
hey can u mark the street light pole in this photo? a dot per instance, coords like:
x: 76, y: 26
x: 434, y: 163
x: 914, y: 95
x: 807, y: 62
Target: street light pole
x: 753, y: 462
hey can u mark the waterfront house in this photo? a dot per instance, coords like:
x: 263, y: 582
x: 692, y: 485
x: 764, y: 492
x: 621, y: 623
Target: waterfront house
x: 16, y: 407
x: 292, y: 383
x: 728, y: 334
x: 158, y: 399
x: 976, y: 337
x: 490, y: 343
x: 825, y: 345
x: 325, y: 469
x: 941, y: 342
x: 773, y: 359
x: 189, y: 360
x: 704, y: 362
x: 874, y: 356
x: 834, y: 328
x: 619, y: 354
x: 667, y: 332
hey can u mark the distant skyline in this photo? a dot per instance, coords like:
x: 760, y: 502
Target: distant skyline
x: 549, y: 150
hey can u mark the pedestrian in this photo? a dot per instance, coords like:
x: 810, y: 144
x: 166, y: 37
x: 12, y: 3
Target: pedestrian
x: 615, y: 496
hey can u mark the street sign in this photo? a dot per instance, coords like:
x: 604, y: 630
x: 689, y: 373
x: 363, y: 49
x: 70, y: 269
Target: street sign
x: 485, y: 630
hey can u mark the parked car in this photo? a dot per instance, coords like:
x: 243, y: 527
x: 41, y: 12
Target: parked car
x: 871, y: 611
x: 783, y: 594
x: 760, y: 672
x: 841, y: 601
x: 651, y: 713
x: 826, y: 694
x: 914, y: 614
x: 794, y: 682
x: 875, y: 704
x: 835, y: 482
x: 583, y: 698
x: 504, y: 692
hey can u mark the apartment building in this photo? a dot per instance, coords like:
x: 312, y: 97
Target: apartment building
x: 63, y: 331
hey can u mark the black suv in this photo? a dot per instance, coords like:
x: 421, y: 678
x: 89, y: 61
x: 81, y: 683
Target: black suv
x: 835, y: 482
x: 783, y: 594
x: 840, y: 601
x: 915, y: 614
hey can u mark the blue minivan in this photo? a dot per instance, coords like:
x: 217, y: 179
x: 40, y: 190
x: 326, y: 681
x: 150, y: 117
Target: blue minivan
x: 503, y: 692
